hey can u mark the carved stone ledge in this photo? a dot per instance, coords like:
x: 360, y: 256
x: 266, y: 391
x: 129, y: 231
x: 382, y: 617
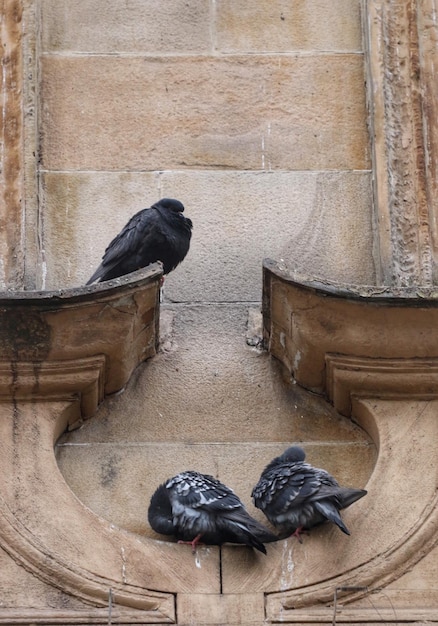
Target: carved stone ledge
x: 86, y: 340
x: 60, y: 353
x: 305, y: 320
x: 375, y: 357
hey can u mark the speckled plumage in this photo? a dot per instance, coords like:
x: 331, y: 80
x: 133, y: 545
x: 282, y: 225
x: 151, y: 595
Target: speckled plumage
x: 160, y: 233
x: 295, y: 496
x: 196, y: 507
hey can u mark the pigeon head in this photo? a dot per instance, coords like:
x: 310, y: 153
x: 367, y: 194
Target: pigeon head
x: 294, y: 454
x: 170, y: 203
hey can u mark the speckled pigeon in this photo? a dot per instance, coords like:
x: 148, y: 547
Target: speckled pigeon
x: 198, y: 508
x: 295, y: 496
x: 160, y: 233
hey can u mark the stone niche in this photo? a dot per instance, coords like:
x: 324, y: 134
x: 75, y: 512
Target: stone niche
x: 360, y: 349
x: 370, y: 353
x: 61, y: 354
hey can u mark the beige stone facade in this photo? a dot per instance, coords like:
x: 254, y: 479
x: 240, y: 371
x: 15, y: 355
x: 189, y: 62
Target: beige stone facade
x: 300, y: 131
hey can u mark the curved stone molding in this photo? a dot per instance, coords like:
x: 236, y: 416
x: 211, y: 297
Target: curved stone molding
x: 375, y: 357
x: 396, y: 526
x: 43, y: 333
x: 60, y: 353
x: 50, y: 533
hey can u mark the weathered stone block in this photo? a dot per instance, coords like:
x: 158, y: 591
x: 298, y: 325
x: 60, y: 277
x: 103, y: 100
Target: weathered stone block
x: 263, y: 112
x: 138, y: 26
x: 239, y: 218
x: 218, y: 609
x: 283, y: 26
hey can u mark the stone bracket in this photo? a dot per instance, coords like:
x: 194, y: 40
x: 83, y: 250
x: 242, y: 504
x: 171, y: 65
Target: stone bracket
x: 55, y: 380
x: 374, y: 355
x: 350, y: 376
x: 60, y: 354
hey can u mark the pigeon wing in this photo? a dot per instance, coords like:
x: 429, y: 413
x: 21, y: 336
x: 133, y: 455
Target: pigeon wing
x: 137, y: 245
x: 328, y: 509
x: 202, y: 491
x: 285, y: 486
x: 229, y: 520
x: 237, y: 526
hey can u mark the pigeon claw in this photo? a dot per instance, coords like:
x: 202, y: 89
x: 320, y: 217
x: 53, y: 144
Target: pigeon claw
x: 298, y: 532
x: 194, y: 543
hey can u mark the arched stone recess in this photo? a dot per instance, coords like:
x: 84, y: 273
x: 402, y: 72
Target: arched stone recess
x: 61, y: 352
x: 329, y: 338
x: 371, y: 352
x: 375, y: 357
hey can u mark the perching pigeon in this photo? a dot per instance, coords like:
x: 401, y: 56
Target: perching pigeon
x: 198, y: 508
x: 295, y: 496
x: 160, y: 233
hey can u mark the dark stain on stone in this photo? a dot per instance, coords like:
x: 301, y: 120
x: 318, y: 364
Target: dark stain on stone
x: 109, y: 471
x: 24, y: 335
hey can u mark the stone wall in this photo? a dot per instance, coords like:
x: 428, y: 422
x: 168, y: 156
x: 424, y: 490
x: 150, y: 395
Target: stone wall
x: 252, y: 113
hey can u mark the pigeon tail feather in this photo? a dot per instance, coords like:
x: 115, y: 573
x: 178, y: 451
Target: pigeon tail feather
x: 330, y: 512
x: 349, y: 495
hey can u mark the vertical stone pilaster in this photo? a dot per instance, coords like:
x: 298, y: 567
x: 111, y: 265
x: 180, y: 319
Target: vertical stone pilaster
x: 428, y: 51
x: 11, y: 144
x: 34, y: 260
x: 20, y: 255
x: 401, y: 40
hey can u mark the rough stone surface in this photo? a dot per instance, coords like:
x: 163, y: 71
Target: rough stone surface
x: 308, y: 219
x: 254, y: 114
x: 174, y: 415
x: 242, y: 112
x: 282, y: 26
x: 145, y: 26
x: 150, y: 27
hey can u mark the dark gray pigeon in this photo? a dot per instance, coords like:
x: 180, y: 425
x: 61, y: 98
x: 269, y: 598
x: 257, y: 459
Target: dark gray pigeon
x: 295, y: 496
x: 198, y: 508
x: 160, y: 233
